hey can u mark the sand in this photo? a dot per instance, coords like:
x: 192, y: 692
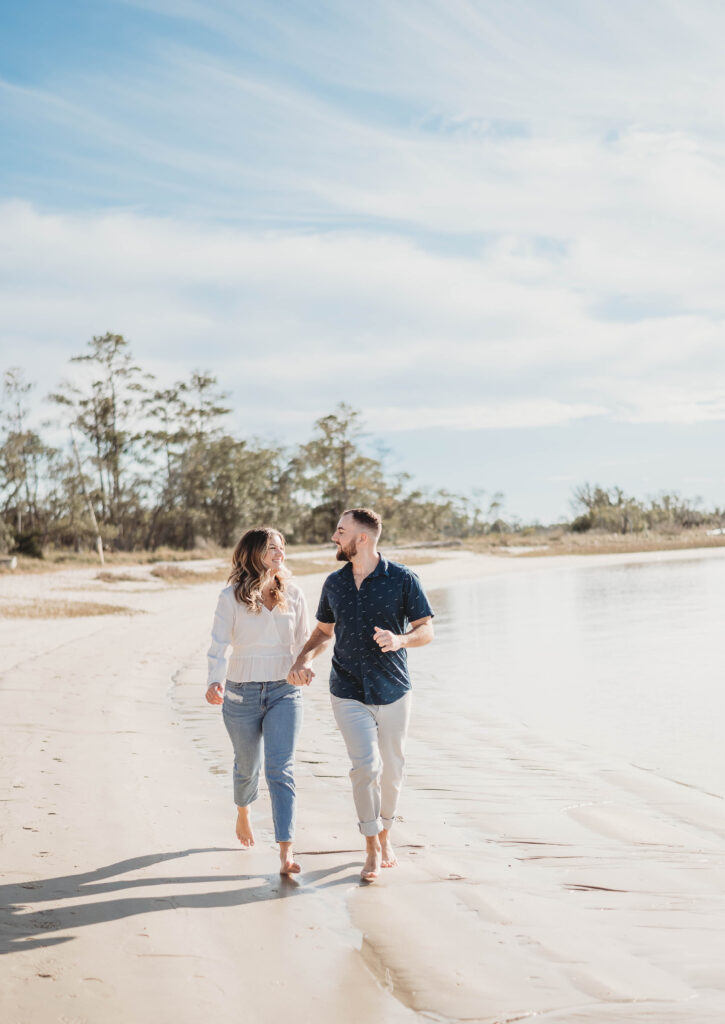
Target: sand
x: 537, y: 880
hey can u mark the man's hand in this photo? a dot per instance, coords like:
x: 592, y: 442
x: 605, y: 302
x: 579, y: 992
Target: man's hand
x: 300, y: 674
x: 215, y: 694
x: 386, y: 640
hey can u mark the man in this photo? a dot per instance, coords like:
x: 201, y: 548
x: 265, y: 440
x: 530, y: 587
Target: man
x: 376, y: 609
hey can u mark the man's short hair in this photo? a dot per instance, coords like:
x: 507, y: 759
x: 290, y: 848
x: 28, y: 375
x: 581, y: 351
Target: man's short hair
x: 366, y: 518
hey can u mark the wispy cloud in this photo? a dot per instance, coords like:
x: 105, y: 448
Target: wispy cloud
x: 348, y: 315
x: 505, y: 215
x: 504, y: 415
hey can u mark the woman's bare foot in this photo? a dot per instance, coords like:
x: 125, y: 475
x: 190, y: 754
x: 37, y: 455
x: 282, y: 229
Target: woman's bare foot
x: 287, y: 864
x: 244, y: 828
x: 371, y: 867
x: 389, y: 860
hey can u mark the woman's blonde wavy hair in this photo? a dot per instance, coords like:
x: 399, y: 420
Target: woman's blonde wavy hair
x: 249, y: 573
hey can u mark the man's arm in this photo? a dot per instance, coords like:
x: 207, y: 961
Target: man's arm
x: 419, y: 634
x: 301, y: 674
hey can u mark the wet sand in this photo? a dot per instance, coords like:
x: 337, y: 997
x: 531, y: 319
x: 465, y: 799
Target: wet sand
x: 537, y: 880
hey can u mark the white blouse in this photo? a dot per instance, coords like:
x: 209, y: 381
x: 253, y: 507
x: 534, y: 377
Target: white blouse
x: 264, y: 646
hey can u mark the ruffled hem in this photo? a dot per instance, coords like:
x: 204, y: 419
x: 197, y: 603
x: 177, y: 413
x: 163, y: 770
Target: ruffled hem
x: 258, y: 668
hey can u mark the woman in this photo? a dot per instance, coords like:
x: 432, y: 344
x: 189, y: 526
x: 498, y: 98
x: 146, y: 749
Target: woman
x: 263, y: 616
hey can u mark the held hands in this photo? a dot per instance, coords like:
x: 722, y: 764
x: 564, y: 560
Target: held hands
x: 215, y: 694
x: 300, y: 675
x: 386, y: 640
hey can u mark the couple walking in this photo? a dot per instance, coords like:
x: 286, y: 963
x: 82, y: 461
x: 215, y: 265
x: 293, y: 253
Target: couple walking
x: 375, y: 609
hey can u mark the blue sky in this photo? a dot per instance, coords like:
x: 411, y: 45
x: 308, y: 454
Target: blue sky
x: 494, y: 227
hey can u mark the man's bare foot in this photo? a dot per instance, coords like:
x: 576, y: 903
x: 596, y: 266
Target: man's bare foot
x: 371, y: 867
x: 244, y: 828
x: 389, y: 860
x: 287, y: 864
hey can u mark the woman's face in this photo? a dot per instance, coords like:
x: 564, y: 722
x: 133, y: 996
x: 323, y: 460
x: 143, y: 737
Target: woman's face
x: 273, y: 558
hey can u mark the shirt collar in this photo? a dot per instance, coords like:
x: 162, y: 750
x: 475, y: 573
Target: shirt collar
x: 381, y: 569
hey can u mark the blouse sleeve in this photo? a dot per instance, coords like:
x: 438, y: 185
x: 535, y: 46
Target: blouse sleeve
x: 221, y: 637
x: 302, y: 625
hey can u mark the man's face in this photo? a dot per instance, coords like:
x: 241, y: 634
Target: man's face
x: 345, y: 537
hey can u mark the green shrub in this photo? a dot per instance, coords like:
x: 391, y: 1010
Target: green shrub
x: 28, y: 543
x: 581, y: 524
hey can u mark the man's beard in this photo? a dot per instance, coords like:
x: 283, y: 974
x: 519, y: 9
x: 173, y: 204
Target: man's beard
x: 346, y: 554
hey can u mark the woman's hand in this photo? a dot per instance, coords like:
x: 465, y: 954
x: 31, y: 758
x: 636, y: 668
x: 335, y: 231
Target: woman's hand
x: 215, y: 694
x: 300, y: 675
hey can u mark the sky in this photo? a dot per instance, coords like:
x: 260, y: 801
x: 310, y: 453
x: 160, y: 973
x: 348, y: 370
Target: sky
x: 495, y: 227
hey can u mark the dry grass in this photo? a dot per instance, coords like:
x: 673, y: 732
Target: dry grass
x: 308, y: 566
x: 180, y: 574
x: 50, y: 609
x: 615, y: 544
x: 298, y: 566
x: 118, y: 577
x: 497, y: 543
x: 405, y: 559
x: 560, y: 542
x: 55, y: 560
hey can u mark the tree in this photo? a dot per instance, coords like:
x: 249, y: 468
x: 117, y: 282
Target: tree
x: 227, y: 486
x: 184, y: 428
x: 206, y: 404
x: 333, y: 473
x: 168, y: 436
x: 154, y: 466
x: 105, y: 413
x: 24, y: 462
x: 610, y: 510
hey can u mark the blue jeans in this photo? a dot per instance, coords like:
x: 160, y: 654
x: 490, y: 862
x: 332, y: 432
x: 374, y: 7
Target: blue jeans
x: 271, y: 712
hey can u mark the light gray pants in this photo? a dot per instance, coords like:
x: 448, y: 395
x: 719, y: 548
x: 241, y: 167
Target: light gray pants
x: 375, y: 738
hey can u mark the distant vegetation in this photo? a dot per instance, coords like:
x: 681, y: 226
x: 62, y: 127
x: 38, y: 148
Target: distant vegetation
x: 615, y: 512
x: 147, y: 466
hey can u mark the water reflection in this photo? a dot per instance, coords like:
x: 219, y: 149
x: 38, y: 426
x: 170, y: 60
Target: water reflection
x: 625, y: 658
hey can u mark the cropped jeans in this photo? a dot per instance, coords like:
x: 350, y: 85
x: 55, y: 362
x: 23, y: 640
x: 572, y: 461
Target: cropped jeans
x: 269, y: 716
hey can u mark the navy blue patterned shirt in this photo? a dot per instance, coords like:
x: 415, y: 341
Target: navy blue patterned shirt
x: 391, y: 597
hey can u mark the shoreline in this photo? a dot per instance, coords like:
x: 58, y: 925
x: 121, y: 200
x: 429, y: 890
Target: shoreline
x: 536, y: 878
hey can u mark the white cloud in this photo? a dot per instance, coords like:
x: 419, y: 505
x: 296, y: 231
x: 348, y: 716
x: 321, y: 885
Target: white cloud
x: 669, y: 403
x: 505, y: 215
x: 501, y: 338
x: 515, y: 414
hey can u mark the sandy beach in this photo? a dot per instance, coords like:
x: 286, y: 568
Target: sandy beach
x: 537, y: 880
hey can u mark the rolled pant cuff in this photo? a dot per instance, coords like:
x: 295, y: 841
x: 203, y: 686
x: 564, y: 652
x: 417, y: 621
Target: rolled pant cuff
x: 387, y: 823
x: 243, y: 798
x: 370, y: 828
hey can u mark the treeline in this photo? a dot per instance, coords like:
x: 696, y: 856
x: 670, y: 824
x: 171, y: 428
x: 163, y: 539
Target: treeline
x: 146, y: 466
x: 613, y: 511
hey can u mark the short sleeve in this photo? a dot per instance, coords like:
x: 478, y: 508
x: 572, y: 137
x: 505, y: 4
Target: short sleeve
x: 221, y: 637
x: 417, y: 605
x: 324, y: 609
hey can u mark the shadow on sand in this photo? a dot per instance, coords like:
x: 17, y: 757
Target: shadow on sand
x: 20, y: 927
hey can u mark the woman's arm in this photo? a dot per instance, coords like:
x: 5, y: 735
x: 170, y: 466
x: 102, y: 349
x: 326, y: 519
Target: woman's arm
x: 221, y: 637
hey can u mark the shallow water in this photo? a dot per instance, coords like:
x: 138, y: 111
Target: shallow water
x: 627, y: 659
